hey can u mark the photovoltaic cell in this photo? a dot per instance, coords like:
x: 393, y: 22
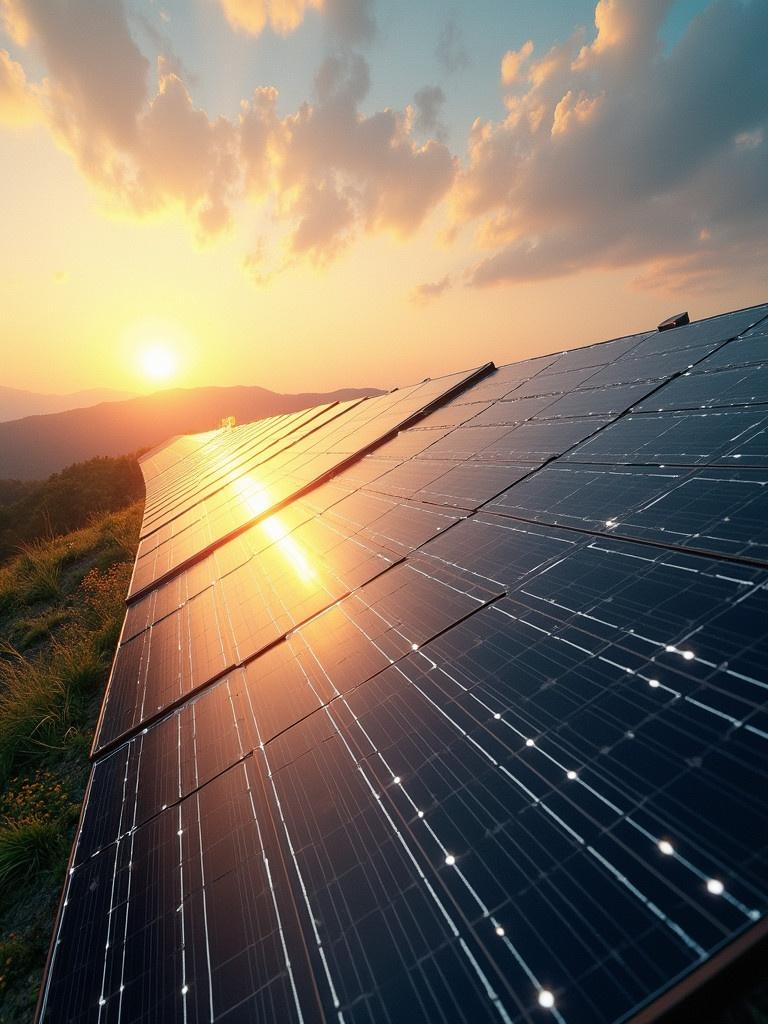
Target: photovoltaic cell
x: 443, y: 706
x: 717, y: 510
x: 726, y: 437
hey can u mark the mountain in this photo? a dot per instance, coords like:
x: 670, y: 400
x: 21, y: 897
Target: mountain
x: 15, y: 403
x: 36, y: 446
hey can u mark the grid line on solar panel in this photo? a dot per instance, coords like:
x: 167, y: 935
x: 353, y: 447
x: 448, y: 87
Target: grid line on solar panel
x: 225, y: 620
x: 266, y: 448
x: 229, y: 621
x: 458, y: 766
x: 243, y: 440
x: 536, y: 764
x: 272, y: 491
x: 720, y: 512
x: 249, y: 452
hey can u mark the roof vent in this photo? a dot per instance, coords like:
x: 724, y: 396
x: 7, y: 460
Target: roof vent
x: 678, y: 320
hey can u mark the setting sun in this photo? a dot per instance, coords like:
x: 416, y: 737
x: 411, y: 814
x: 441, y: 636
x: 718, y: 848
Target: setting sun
x: 159, y: 363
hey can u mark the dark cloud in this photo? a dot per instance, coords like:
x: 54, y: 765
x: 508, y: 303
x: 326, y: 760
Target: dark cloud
x: 351, y: 21
x: 427, y: 104
x: 430, y: 290
x: 450, y: 52
x: 614, y: 153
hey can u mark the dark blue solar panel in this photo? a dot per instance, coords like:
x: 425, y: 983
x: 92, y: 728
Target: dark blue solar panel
x: 473, y: 730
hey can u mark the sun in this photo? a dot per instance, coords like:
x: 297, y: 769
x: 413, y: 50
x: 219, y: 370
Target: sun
x: 159, y: 363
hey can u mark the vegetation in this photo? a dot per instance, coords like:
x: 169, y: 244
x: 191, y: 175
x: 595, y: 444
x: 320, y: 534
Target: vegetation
x: 61, y: 606
x: 65, y: 501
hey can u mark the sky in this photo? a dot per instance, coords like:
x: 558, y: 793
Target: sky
x: 312, y: 194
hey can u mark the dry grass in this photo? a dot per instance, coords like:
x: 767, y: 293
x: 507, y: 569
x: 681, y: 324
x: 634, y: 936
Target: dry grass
x: 62, y: 603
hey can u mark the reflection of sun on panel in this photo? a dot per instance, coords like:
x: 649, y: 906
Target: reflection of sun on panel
x: 257, y: 501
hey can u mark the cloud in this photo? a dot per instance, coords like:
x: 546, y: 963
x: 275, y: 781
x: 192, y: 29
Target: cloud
x: 370, y: 165
x: 146, y: 154
x: 427, y: 104
x: 183, y: 157
x: 614, y: 153
x: 351, y: 20
x: 513, y: 61
x: 98, y: 76
x: 325, y: 215
x: 163, y: 46
x: 430, y: 290
x: 450, y: 51
x: 253, y: 16
x: 18, y: 104
x: 326, y: 172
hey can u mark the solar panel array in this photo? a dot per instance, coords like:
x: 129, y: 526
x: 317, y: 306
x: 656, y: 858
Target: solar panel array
x: 447, y: 705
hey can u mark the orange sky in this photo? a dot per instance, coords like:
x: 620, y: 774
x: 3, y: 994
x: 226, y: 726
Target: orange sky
x: 310, y: 280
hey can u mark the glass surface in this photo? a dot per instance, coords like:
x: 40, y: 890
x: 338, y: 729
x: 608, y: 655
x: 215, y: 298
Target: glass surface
x: 752, y: 347
x: 538, y: 440
x: 712, y: 331
x: 746, y: 385
x: 732, y: 437
x: 454, y: 735
x: 470, y: 485
x: 717, y: 510
x: 607, y: 401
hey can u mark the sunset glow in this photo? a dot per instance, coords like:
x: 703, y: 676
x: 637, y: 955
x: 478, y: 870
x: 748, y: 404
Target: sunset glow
x: 159, y: 363
x: 307, y: 196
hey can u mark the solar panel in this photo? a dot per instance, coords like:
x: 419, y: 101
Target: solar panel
x: 443, y: 706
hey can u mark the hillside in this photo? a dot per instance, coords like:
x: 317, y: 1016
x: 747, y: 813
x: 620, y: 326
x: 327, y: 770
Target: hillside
x: 16, y: 403
x: 36, y: 446
x: 61, y: 606
x: 66, y: 500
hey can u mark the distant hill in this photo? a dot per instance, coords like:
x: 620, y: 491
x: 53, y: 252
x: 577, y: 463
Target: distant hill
x: 16, y: 403
x: 36, y: 446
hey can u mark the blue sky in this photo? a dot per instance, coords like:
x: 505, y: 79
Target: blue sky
x: 227, y: 66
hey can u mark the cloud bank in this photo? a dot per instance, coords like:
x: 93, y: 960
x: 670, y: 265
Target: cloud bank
x: 614, y: 153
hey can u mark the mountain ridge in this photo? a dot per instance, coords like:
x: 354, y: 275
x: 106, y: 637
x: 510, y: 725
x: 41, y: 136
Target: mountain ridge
x: 33, y: 447
x: 18, y: 403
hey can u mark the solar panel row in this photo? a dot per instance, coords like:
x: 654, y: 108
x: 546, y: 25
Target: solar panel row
x: 448, y: 705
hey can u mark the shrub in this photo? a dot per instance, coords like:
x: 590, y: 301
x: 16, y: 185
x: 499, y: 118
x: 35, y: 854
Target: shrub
x: 28, y: 847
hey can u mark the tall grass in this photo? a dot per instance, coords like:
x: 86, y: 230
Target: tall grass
x: 28, y: 847
x: 44, y: 701
x: 61, y: 608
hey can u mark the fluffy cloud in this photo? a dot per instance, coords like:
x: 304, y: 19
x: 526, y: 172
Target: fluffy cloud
x: 17, y: 101
x: 351, y: 20
x: 147, y: 154
x: 612, y: 152
x: 331, y: 171
x: 326, y: 171
x: 97, y: 77
x: 615, y: 153
x: 253, y: 16
x: 513, y: 61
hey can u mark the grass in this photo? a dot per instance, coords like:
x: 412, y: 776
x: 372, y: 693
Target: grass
x: 28, y: 847
x: 61, y: 608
